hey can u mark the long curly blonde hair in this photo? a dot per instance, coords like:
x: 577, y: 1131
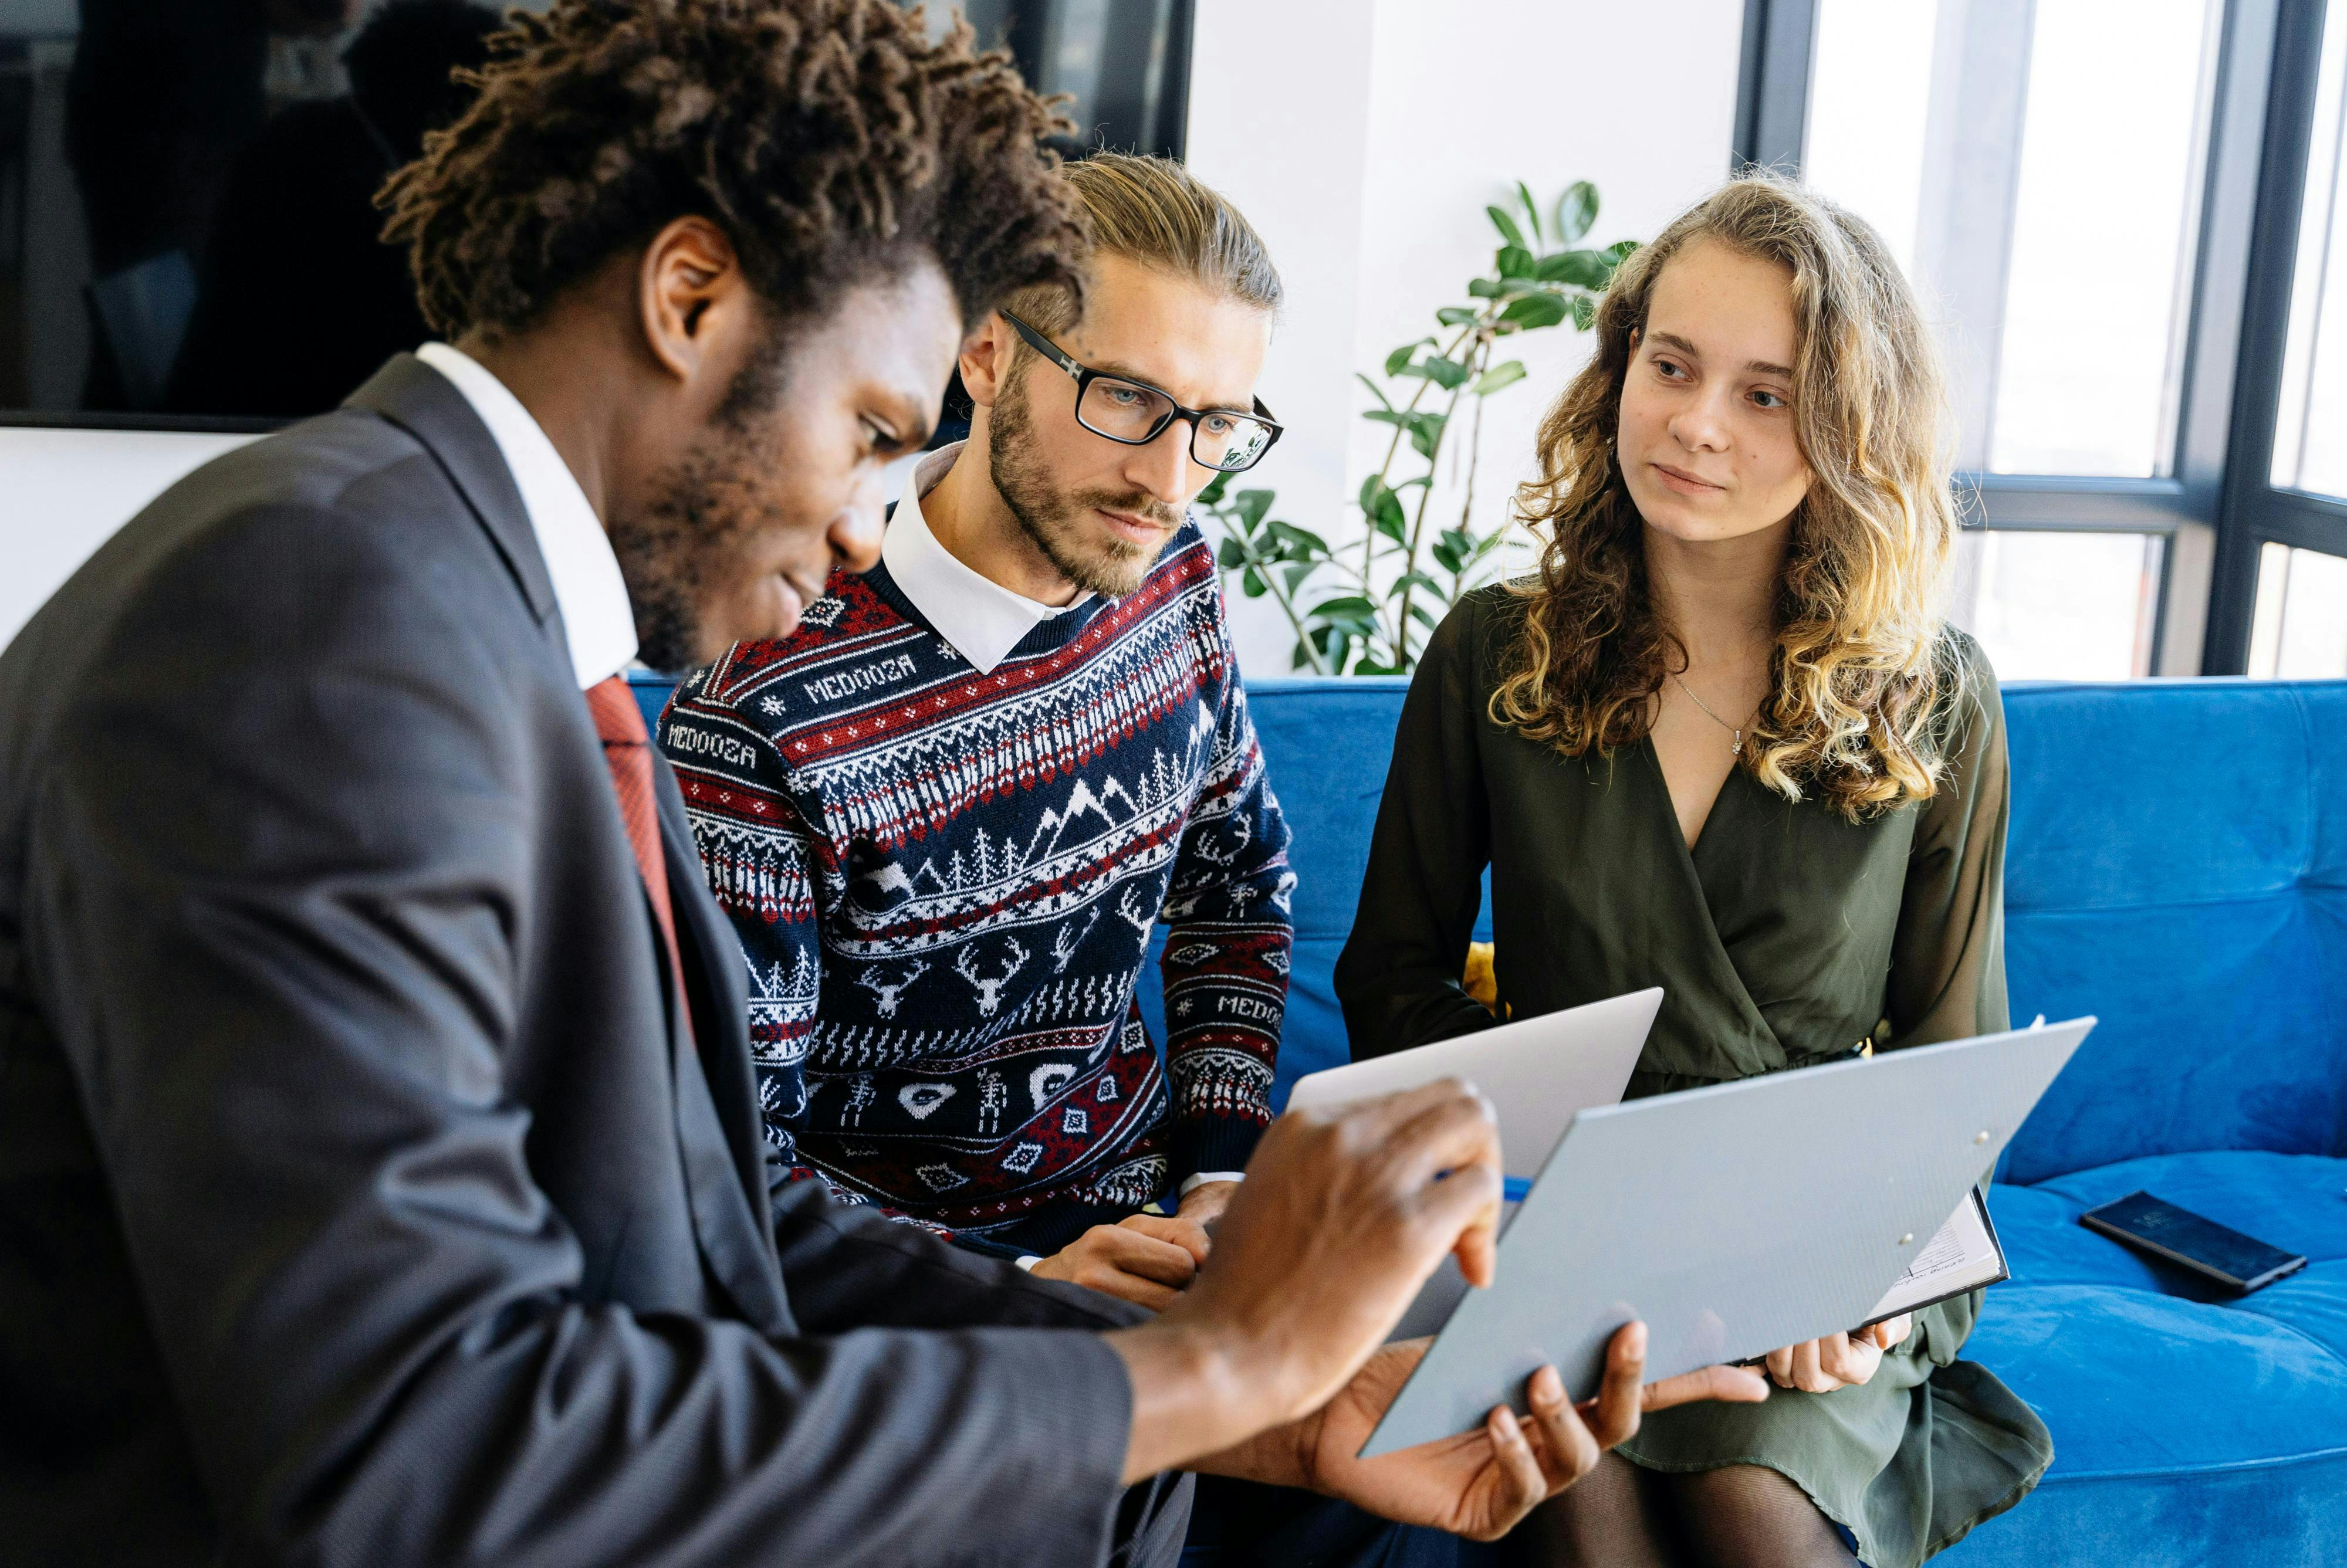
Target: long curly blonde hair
x: 1862, y: 665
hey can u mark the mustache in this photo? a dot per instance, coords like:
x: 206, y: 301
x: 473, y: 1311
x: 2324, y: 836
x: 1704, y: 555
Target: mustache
x: 1133, y: 502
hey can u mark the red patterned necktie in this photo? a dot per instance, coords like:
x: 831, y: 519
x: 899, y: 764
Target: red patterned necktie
x: 627, y: 751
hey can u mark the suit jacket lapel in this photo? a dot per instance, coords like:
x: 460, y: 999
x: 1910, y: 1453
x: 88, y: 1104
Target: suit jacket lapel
x: 421, y: 401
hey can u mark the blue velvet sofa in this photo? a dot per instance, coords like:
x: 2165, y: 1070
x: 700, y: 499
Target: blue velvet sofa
x: 2177, y: 866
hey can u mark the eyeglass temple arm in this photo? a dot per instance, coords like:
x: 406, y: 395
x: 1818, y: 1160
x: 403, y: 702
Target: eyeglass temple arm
x: 1044, y: 346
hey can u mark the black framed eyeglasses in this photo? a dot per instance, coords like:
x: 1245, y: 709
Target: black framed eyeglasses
x: 1134, y: 413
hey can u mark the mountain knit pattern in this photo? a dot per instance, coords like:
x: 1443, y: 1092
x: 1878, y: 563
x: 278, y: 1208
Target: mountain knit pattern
x: 946, y: 882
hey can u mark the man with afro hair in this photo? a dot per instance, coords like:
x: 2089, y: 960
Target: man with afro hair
x: 379, y: 1151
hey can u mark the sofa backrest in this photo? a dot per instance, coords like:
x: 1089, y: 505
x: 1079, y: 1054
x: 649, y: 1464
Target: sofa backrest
x: 2177, y: 867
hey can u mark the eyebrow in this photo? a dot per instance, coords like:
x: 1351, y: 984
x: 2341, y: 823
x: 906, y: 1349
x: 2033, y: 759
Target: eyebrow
x: 1760, y: 366
x: 1123, y: 372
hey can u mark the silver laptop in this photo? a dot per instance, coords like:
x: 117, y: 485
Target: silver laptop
x: 1537, y: 1073
x: 1733, y: 1219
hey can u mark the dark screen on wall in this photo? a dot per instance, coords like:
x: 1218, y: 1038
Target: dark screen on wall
x: 187, y: 225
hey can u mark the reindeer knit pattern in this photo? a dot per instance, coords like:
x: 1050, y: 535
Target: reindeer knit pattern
x: 946, y: 883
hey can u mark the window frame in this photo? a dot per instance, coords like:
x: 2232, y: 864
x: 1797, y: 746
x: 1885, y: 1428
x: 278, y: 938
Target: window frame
x: 2220, y: 506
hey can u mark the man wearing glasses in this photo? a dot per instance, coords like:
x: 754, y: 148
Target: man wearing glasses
x: 945, y: 814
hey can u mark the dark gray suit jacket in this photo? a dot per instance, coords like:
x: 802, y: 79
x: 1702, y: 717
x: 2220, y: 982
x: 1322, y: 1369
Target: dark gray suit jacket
x: 357, y: 1204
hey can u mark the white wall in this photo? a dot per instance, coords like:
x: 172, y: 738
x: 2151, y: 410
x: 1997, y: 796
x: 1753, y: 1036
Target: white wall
x: 62, y: 492
x: 1363, y: 139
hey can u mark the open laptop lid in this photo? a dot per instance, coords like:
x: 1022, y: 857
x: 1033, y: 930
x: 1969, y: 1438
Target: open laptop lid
x: 1733, y: 1219
x: 1537, y: 1073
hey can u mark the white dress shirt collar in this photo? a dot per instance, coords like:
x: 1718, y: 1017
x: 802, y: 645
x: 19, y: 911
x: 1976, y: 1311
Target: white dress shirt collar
x: 588, y: 587
x: 981, y: 617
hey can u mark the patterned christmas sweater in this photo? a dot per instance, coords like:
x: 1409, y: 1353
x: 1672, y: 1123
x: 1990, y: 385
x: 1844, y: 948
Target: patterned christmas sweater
x: 946, y: 882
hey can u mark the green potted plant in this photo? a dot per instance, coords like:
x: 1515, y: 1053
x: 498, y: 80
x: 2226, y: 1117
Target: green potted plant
x: 1366, y: 609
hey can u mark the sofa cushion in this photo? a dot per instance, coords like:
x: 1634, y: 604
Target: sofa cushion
x: 2296, y: 1202
x: 2150, y: 1377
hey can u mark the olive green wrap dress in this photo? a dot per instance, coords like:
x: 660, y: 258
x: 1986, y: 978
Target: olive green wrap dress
x: 1785, y: 937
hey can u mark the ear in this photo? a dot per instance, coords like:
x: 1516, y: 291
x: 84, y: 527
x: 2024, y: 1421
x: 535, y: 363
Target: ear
x: 986, y: 356
x: 693, y: 301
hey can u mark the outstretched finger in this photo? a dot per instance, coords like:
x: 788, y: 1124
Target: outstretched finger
x: 1465, y: 1206
x: 1727, y: 1385
x: 1387, y: 1113
x: 1456, y: 1132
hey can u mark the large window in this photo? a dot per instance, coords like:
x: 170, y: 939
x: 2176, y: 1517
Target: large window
x: 2102, y: 207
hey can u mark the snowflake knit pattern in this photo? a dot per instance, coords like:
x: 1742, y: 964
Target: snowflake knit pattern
x: 946, y: 882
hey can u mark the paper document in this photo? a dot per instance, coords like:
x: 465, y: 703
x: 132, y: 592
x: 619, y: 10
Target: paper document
x: 1964, y: 1257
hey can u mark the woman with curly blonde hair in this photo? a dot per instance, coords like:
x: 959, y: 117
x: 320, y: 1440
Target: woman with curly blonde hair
x: 1725, y: 742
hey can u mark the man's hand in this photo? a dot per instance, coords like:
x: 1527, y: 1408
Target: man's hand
x: 1479, y: 1483
x: 1343, y: 1216
x: 1838, y: 1361
x: 1145, y: 1259
x: 1203, y: 1203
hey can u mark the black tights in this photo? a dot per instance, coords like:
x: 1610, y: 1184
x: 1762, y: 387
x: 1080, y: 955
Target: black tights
x: 1621, y: 1516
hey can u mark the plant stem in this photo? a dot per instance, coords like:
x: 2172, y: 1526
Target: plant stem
x: 1263, y: 569
x: 1370, y: 535
x: 1418, y: 531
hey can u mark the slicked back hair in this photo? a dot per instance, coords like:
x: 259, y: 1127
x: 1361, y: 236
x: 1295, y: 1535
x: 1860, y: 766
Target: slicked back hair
x: 830, y: 139
x: 1154, y: 212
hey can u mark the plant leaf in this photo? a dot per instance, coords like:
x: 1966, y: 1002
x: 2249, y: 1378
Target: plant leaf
x: 1409, y: 579
x: 1536, y: 311
x: 1507, y: 227
x: 1445, y: 373
x: 1456, y: 315
x: 1303, y: 540
x: 1498, y: 377
x: 1532, y: 209
x: 1374, y: 391
x: 1486, y: 288
x: 1400, y: 356
x: 1212, y: 492
x: 1254, y: 585
x: 1420, y: 614
x: 1251, y: 505
x: 1621, y: 250
x: 1584, y: 311
x: 1576, y: 210
x: 1583, y: 269
x: 1515, y: 261
x: 1229, y: 555
x: 1424, y: 433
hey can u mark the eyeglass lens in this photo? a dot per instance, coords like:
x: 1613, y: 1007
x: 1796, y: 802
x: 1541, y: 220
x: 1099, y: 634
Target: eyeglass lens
x: 1125, y: 411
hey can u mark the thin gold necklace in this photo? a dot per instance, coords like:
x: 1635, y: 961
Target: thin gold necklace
x: 1735, y: 745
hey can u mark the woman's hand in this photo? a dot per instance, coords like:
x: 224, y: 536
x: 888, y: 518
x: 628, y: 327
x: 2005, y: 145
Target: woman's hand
x: 1838, y: 1361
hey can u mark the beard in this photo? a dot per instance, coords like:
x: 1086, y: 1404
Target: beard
x: 1058, y: 523
x: 690, y: 535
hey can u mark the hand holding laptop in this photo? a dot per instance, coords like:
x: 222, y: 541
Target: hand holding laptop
x: 1480, y: 1482
x: 1838, y: 1361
